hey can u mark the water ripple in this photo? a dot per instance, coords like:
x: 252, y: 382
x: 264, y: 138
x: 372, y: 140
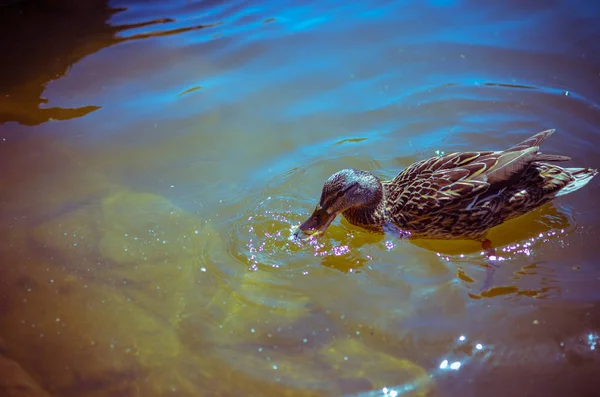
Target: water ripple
x: 240, y: 111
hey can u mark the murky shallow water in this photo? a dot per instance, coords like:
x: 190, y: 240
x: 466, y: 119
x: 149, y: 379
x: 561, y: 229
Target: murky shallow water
x: 155, y: 159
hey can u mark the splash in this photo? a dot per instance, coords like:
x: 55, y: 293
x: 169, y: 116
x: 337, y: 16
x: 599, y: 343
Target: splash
x: 266, y: 238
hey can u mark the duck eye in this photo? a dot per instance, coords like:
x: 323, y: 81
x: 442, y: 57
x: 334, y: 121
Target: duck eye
x: 346, y: 190
x: 319, y: 214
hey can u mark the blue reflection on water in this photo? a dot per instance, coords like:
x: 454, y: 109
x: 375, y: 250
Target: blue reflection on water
x: 349, y: 57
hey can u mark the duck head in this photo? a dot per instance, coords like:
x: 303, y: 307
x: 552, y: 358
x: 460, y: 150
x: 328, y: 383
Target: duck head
x: 345, y: 190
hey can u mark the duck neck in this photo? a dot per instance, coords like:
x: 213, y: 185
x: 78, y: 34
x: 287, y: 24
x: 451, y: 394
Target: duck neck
x: 369, y: 216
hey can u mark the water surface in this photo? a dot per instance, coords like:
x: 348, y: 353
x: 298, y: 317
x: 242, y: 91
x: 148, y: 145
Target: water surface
x: 156, y: 154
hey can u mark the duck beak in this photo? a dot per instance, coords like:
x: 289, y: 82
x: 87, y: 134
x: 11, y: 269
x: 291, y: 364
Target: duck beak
x: 317, y: 223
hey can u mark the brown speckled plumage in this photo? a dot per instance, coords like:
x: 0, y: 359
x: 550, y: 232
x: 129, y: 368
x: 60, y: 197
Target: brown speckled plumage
x: 453, y: 196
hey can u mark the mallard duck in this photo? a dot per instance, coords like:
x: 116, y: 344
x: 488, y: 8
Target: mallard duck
x: 453, y: 196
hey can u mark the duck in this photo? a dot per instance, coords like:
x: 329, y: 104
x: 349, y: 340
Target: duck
x: 455, y: 196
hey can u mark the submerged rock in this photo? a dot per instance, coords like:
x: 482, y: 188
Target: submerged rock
x: 143, y: 227
x: 77, y: 336
x: 140, y: 244
x: 362, y: 369
x: 98, y: 306
x: 15, y: 382
x: 263, y: 307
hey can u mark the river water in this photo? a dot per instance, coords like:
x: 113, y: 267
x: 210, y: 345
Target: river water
x: 156, y: 154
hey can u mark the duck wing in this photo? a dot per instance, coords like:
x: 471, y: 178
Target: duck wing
x: 426, y: 168
x: 440, y: 182
x: 457, y: 179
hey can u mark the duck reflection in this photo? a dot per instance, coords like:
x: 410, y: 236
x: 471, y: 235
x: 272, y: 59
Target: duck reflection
x: 511, y: 233
x: 515, y: 239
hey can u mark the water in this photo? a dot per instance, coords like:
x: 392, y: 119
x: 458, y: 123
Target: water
x: 155, y: 156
